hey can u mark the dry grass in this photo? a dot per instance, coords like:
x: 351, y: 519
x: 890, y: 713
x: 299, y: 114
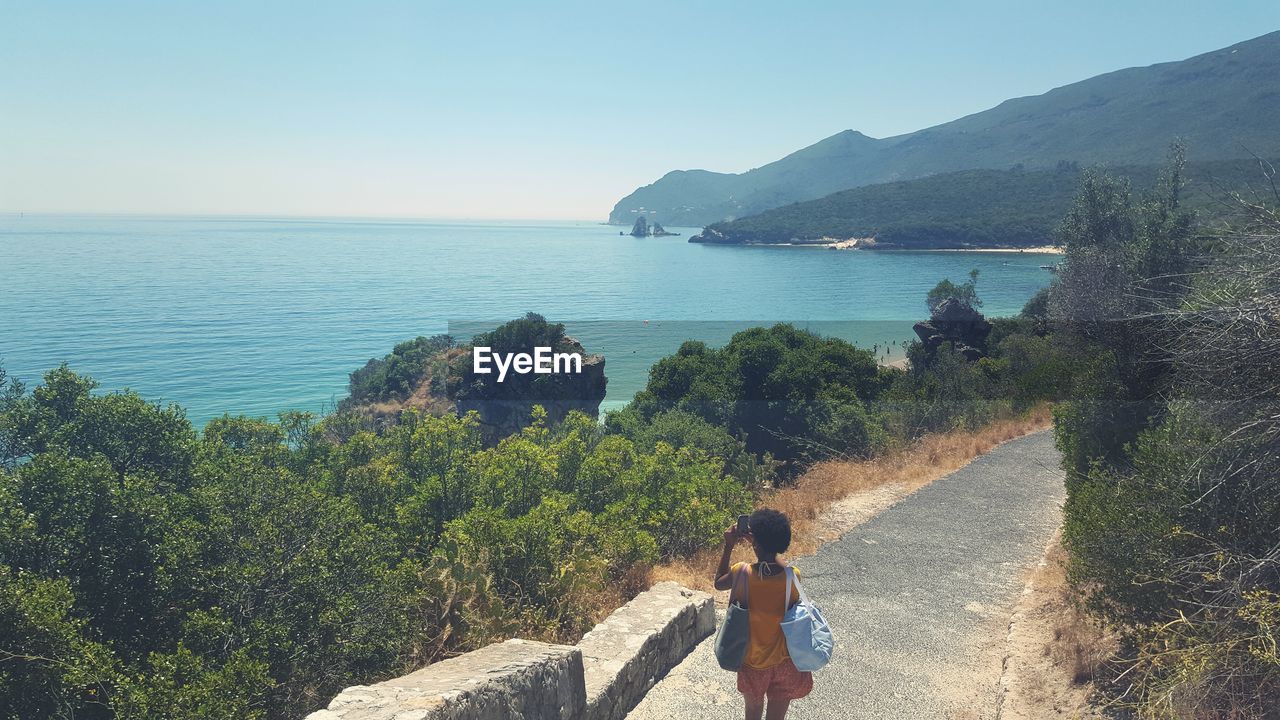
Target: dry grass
x: 1078, y: 645
x: 1054, y: 652
x: 912, y: 467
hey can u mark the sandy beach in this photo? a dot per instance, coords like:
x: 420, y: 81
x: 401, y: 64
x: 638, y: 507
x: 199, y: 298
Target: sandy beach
x: 1037, y: 250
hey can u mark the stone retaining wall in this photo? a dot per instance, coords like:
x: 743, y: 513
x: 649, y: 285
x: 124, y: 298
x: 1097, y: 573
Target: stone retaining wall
x: 636, y: 645
x: 513, y: 679
x: 602, y: 678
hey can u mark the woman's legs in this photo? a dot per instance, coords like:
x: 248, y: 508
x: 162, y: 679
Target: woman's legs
x: 777, y: 708
x: 755, y: 708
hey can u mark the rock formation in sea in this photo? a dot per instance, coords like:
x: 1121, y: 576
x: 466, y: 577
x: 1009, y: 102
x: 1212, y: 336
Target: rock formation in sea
x: 641, y: 228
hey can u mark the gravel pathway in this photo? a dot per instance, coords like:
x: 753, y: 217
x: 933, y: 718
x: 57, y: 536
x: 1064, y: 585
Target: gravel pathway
x: 919, y: 599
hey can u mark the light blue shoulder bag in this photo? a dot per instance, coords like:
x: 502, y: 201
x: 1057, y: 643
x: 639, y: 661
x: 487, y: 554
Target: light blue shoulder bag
x: 809, y: 641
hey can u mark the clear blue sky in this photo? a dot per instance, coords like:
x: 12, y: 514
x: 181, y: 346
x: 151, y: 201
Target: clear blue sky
x: 519, y: 110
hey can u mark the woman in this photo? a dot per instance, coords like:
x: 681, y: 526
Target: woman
x: 767, y: 671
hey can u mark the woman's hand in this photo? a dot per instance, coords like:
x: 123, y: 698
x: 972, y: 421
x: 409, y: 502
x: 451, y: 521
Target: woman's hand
x: 731, y: 536
x: 722, y: 579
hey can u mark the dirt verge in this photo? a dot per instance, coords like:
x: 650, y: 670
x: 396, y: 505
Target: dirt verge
x: 1052, y: 650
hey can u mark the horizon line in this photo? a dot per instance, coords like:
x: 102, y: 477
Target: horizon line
x: 10, y: 214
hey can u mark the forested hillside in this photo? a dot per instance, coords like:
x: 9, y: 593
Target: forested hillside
x: 984, y: 208
x: 971, y: 208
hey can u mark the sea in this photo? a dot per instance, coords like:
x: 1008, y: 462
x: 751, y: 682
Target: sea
x: 255, y: 316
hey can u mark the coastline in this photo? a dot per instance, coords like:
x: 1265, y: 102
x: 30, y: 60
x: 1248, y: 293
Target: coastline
x: 1034, y: 250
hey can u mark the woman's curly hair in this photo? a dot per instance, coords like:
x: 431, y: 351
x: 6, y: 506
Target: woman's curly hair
x: 771, y: 530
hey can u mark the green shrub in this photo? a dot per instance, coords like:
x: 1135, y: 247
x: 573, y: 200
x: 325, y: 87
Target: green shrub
x: 1169, y: 440
x: 682, y: 429
x: 395, y: 375
x: 772, y: 387
x: 258, y: 569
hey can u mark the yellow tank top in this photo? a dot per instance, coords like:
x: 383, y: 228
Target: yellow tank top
x: 765, y: 596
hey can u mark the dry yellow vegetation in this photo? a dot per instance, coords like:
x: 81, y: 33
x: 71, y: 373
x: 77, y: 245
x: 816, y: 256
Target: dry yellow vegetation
x: 1054, y: 651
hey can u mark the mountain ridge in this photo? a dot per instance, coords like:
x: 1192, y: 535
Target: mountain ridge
x: 1217, y: 102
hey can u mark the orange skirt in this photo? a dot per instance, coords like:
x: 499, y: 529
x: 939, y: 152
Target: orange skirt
x: 780, y: 682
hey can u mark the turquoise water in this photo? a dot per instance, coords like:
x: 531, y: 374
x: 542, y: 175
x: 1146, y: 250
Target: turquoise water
x: 257, y: 316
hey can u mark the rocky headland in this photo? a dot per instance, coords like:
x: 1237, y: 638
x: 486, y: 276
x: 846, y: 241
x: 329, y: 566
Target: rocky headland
x: 438, y: 376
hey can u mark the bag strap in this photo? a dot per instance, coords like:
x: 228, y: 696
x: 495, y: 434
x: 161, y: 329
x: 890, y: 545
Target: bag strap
x: 791, y: 578
x: 746, y: 587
